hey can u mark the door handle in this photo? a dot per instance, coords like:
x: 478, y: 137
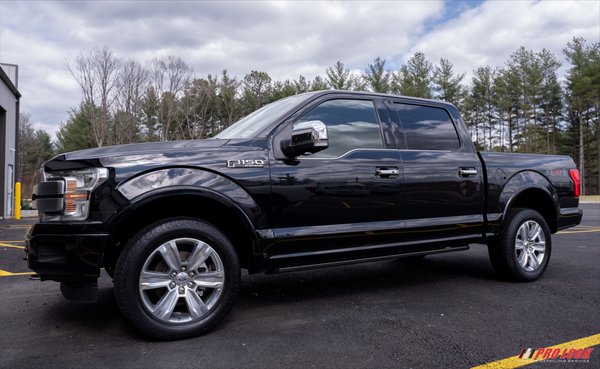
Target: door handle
x: 386, y: 172
x: 466, y: 172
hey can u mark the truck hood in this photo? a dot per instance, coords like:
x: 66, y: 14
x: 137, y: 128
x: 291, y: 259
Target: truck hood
x: 128, y: 160
x: 143, y: 148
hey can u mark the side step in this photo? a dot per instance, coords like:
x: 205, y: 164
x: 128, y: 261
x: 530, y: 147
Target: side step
x: 363, y: 260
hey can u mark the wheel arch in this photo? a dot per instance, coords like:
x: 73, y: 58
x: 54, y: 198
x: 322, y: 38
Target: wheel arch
x: 183, y: 202
x: 531, y: 190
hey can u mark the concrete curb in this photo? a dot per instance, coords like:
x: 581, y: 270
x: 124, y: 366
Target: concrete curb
x: 29, y: 213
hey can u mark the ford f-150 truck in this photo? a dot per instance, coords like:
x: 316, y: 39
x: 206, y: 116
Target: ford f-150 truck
x: 312, y: 180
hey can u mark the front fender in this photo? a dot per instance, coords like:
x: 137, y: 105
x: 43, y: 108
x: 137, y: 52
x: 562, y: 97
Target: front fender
x: 139, y: 187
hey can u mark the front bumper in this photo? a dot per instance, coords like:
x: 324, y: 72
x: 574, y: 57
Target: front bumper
x: 66, y: 252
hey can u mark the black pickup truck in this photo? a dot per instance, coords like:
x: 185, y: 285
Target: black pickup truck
x: 312, y: 180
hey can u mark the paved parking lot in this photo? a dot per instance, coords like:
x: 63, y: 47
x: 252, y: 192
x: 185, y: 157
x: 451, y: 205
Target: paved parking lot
x: 448, y: 311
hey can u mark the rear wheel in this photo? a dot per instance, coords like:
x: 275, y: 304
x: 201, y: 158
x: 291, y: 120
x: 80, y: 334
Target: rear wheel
x: 177, y: 278
x: 522, y: 251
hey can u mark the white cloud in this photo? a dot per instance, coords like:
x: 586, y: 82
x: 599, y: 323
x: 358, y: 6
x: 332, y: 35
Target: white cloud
x: 282, y: 38
x: 285, y: 39
x: 491, y: 32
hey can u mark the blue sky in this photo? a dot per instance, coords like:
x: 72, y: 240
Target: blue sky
x: 453, y: 9
x: 282, y: 38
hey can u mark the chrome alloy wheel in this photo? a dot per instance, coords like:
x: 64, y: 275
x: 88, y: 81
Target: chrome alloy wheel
x: 530, y: 246
x: 181, y: 280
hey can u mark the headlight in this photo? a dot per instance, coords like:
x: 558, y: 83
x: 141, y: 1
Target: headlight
x: 78, y: 187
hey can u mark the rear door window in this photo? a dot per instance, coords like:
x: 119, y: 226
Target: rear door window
x: 427, y: 128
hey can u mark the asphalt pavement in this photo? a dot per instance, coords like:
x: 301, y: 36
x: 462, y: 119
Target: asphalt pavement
x: 446, y: 311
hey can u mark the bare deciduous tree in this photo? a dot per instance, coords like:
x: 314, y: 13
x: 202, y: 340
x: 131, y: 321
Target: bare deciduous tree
x: 96, y: 71
x: 132, y: 84
x: 170, y: 75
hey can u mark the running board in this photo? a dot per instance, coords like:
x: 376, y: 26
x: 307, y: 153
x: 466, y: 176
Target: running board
x: 363, y: 260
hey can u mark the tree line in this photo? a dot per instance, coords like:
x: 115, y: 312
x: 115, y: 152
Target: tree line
x: 521, y: 106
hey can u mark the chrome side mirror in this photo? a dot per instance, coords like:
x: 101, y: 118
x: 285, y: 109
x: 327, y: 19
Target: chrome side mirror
x: 307, y: 137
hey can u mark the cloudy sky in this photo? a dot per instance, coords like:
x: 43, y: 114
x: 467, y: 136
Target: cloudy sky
x: 282, y: 38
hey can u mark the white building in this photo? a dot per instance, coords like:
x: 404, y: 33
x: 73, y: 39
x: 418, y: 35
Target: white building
x: 9, y: 123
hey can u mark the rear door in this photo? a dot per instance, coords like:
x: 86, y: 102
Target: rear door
x: 443, y: 196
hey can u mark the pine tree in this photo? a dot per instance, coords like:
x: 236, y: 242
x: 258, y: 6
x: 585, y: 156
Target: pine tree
x: 377, y: 77
x: 415, y: 77
x: 228, y: 106
x: 301, y: 85
x: 257, y: 88
x: 551, y: 98
x: 583, y: 86
x: 318, y: 84
x: 338, y: 77
x: 506, y: 101
x: 482, y: 103
x: 76, y: 133
x: 448, y: 86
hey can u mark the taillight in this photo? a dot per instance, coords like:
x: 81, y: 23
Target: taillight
x: 576, y: 180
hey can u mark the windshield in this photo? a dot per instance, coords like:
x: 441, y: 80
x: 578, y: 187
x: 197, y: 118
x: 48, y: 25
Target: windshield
x: 252, y: 124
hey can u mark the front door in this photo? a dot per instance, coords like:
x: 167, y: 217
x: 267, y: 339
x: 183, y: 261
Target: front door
x: 332, y: 203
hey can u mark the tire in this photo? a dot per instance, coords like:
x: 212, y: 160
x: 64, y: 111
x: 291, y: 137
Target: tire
x: 110, y: 271
x: 177, y: 278
x: 522, y: 251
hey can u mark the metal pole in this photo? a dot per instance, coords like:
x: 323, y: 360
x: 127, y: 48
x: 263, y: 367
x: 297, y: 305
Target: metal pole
x: 17, y: 200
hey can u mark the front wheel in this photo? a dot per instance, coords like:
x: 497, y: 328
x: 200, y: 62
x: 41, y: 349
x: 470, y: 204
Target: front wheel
x: 522, y: 251
x: 177, y: 278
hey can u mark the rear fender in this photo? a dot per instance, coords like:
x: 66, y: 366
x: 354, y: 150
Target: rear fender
x: 533, y: 190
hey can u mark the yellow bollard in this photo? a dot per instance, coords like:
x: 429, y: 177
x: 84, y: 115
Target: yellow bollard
x: 17, y: 200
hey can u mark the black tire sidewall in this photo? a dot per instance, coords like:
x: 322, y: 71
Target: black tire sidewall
x: 134, y: 256
x: 505, y: 251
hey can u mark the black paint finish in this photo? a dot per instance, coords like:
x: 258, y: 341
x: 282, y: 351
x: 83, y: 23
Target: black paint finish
x: 297, y: 212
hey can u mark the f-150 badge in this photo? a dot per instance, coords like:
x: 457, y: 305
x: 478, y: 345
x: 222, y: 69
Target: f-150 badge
x: 256, y: 163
